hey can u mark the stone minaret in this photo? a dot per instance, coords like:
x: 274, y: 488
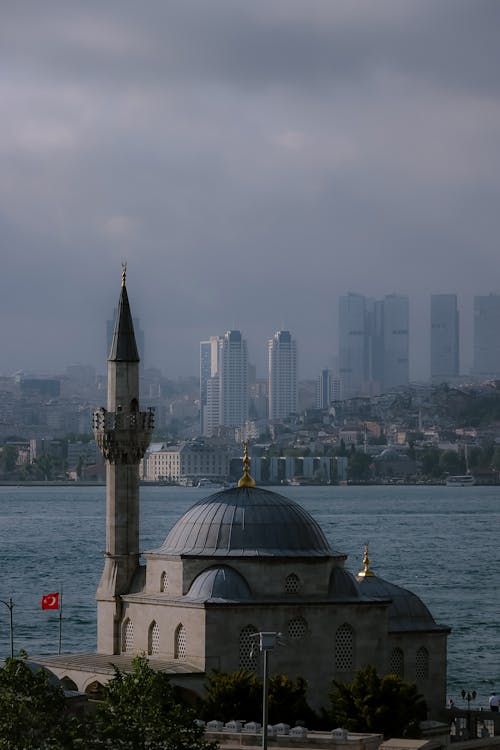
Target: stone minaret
x: 123, y: 433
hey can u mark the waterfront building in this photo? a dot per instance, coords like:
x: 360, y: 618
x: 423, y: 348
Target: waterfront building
x: 188, y: 462
x: 282, y: 375
x: 240, y: 561
x: 486, y: 339
x: 444, y: 337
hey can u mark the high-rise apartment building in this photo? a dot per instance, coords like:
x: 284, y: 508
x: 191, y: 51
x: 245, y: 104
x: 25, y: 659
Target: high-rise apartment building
x: 208, y: 369
x: 486, y: 335
x: 328, y: 389
x: 373, y: 344
x: 223, y: 382
x: 282, y: 374
x: 444, y: 337
x: 233, y: 379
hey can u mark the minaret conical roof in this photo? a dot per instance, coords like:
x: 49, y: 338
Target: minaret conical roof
x: 123, y: 345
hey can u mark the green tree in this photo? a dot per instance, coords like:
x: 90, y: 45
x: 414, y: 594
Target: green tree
x: 288, y: 701
x: 370, y: 703
x: 139, y: 711
x: 32, y: 711
x: 359, y: 466
x: 8, y: 458
x: 237, y: 695
x: 451, y: 463
x: 430, y: 463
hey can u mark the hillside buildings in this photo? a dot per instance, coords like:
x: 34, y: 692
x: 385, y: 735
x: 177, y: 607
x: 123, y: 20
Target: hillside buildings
x: 444, y: 337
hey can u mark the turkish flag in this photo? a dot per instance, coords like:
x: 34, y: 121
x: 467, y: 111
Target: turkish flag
x: 50, y: 601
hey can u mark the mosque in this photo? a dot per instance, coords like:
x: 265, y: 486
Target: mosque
x: 241, y: 561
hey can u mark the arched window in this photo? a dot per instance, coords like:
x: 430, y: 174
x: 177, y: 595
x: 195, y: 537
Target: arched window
x: 248, y: 648
x: 397, y: 663
x: 164, y: 581
x: 297, y: 628
x: 153, y: 638
x: 128, y: 635
x: 68, y: 684
x: 180, y: 642
x: 422, y: 664
x: 134, y: 405
x: 344, y: 648
x: 292, y: 583
x: 94, y: 688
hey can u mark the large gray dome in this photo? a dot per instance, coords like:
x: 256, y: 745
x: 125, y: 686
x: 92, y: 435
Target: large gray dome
x: 246, y: 522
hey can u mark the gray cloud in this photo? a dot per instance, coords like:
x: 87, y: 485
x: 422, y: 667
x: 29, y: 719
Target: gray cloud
x: 252, y: 161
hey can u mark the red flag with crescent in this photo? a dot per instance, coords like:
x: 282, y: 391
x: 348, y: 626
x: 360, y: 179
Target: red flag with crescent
x: 50, y: 601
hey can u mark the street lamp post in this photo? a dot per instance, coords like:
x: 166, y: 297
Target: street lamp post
x: 469, y: 695
x: 267, y: 642
x: 10, y: 606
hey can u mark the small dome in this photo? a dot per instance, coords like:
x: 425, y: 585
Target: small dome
x: 246, y: 522
x: 342, y: 585
x: 406, y: 612
x: 221, y: 582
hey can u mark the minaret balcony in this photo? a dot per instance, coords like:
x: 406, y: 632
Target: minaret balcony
x: 123, y: 437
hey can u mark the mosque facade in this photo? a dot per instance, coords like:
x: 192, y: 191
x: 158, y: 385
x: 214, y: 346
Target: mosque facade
x: 239, y: 562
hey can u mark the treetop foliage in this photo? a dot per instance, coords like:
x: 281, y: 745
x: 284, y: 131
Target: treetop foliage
x: 387, y: 705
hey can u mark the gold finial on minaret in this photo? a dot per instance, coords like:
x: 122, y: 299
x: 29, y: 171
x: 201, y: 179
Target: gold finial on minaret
x: 366, y: 562
x: 124, y: 273
x: 246, y: 480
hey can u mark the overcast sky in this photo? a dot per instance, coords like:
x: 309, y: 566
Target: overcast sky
x: 251, y: 161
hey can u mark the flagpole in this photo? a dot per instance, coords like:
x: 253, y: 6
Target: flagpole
x: 10, y: 606
x: 60, y: 619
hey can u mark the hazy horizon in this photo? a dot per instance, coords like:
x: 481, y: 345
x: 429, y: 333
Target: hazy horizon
x: 251, y: 162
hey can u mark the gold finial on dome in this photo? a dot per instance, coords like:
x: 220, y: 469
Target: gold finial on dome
x: 124, y: 273
x: 246, y: 480
x: 366, y: 562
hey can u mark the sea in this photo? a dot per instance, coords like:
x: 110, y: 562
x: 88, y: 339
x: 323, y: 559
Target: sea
x: 441, y: 543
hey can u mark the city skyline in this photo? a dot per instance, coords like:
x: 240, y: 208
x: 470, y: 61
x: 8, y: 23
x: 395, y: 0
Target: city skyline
x: 251, y: 162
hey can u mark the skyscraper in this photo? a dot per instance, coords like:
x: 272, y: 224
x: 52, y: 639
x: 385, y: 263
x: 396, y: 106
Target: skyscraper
x: 233, y: 379
x: 328, y: 389
x: 486, y: 335
x: 223, y: 382
x: 373, y: 343
x: 444, y: 337
x: 208, y: 369
x: 395, y: 341
x: 282, y: 373
x: 354, y: 368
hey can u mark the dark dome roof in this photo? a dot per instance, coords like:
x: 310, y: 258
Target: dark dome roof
x: 246, y: 522
x: 343, y: 585
x: 406, y: 612
x: 219, y: 583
